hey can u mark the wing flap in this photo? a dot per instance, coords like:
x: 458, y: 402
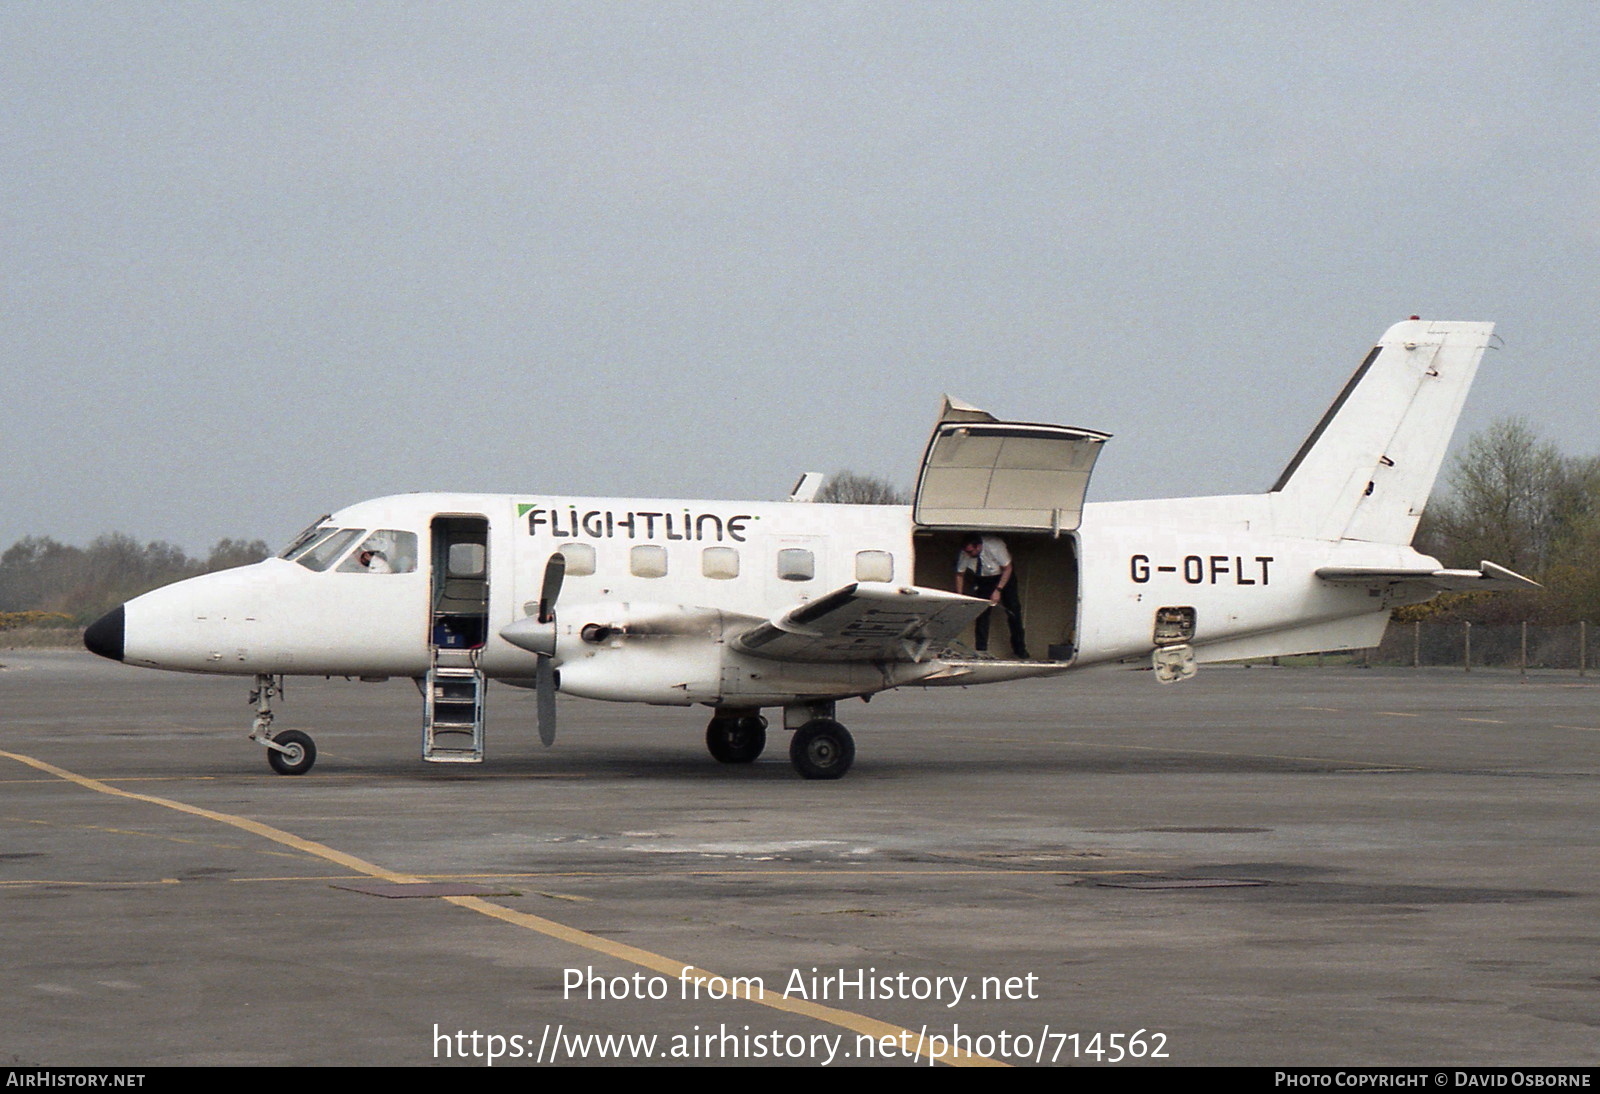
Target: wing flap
x: 866, y: 621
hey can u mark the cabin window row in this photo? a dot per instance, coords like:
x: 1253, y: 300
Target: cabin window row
x: 390, y: 550
x: 722, y: 563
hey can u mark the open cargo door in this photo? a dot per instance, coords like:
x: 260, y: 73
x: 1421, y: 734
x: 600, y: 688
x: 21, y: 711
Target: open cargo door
x: 982, y: 474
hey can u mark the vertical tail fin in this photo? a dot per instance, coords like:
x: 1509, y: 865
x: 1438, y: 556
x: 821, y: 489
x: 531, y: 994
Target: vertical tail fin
x: 1367, y: 469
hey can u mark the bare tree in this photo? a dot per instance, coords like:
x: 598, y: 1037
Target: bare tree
x: 229, y: 553
x: 1511, y: 496
x: 1516, y: 500
x: 849, y: 488
x: 37, y: 573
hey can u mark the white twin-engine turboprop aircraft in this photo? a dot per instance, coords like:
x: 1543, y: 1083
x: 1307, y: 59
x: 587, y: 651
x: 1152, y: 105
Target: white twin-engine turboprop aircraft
x: 742, y: 606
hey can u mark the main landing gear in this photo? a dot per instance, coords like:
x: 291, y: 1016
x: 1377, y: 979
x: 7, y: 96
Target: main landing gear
x: 820, y: 749
x: 736, y: 739
x: 290, y: 752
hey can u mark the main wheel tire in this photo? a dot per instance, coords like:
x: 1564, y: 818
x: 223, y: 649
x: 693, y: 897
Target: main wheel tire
x: 736, y: 740
x: 822, y: 749
x: 301, y: 754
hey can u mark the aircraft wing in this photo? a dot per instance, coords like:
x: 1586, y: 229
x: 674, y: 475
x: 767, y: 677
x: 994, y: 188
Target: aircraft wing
x: 867, y: 621
x: 1489, y: 578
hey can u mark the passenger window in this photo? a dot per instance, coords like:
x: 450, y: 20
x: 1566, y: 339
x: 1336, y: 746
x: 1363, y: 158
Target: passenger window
x: 466, y: 560
x: 721, y: 563
x: 325, y: 553
x: 386, y: 551
x: 796, y: 564
x: 580, y: 558
x: 648, y: 561
x: 874, y: 566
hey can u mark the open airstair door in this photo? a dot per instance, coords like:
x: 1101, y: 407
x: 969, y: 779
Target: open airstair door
x: 981, y: 474
x: 452, y: 717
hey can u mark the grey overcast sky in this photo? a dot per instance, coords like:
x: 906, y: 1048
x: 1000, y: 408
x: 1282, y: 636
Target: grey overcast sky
x: 266, y: 259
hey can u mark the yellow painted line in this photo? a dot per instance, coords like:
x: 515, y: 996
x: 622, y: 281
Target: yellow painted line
x: 1326, y: 710
x: 1586, y: 729
x: 130, y: 779
x: 1486, y: 721
x: 334, y: 777
x: 1398, y: 714
x: 265, y: 831
x: 857, y: 1023
x: 988, y: 872
x: 137, y: 832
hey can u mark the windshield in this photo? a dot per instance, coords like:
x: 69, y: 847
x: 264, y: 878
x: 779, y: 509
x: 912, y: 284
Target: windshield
x: 325, y: 549
x: 313, y: 531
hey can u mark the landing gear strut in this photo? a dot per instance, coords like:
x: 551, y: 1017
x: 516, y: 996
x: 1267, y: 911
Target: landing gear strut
x: 290, y: 752
x: 736, y: 739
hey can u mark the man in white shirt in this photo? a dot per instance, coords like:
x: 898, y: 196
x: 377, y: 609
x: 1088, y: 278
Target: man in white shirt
x: 984, y: 569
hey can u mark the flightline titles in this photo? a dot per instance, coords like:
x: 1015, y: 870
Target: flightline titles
x: 569, y: 523
x: 842, y: 985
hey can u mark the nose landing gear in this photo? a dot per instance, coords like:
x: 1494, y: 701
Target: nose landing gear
x: 290, y: 752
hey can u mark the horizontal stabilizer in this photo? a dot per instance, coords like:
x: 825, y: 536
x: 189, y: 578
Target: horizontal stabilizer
x: 867, y: 621
x: 1489, y: 578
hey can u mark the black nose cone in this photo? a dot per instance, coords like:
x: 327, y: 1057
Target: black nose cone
x: 104, y: 636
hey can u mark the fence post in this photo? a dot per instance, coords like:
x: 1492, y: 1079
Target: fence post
x: 1467, y: 646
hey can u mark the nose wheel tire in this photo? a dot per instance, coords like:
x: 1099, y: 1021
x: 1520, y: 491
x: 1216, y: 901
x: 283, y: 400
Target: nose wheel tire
x: 298, y: 755
x: 736, y: 740
x: 822, y: 749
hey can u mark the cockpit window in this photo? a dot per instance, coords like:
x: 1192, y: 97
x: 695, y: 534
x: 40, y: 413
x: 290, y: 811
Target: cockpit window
x: 386, y: 551
x: 314, y: 531
x: 326, y: 550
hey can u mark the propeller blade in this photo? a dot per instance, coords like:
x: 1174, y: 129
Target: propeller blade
x: 555, y: 571
x: 545, y: 681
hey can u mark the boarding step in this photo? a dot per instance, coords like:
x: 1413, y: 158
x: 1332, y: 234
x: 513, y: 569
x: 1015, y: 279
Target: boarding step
x: 452, y: 726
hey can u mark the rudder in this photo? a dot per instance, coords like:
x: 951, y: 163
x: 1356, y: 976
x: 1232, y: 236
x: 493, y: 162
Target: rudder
x: 1366, y: 471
